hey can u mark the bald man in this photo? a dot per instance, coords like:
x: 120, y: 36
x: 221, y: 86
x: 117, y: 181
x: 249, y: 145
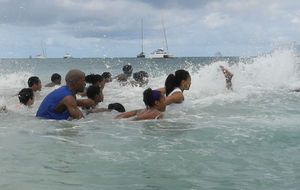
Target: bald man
x: 61, y: 103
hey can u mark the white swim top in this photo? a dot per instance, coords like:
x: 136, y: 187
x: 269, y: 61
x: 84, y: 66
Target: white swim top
x: 175, y: 90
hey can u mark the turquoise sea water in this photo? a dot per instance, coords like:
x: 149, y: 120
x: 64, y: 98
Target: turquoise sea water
x: 217, y: 139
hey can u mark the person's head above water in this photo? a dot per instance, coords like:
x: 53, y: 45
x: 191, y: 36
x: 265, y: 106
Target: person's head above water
x: 107, y: 76
x: 116, y: 106
x: 181, y: 79
x: 94, y: 92
x: 154, y: 99
x: 34, y: 83
x: 140, y: 76
x: 75, y: 79
x: 94, y: 79
x: 26, y: 96
x: 127, y: 69
x: 56, y: 78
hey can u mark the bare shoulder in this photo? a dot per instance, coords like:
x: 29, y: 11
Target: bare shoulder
x: 162, y: 90
x: 176, y: 97
x: 154, y: 114
x: 69, y: 100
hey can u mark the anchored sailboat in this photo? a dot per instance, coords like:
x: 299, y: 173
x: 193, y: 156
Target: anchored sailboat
x: 161, y: 53
x: 43, y: 54
x: 142, y: 55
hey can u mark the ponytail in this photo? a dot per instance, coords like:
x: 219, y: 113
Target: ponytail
x: 170, y: 84
x: 174, y: 81
x: 150, y: 96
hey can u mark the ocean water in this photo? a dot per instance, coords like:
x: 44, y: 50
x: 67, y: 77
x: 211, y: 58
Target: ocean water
x: 248, y: 138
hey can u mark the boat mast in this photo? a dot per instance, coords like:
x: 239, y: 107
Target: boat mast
x: 165, y: 35
x: 43, y: 46
x: 142, y: 33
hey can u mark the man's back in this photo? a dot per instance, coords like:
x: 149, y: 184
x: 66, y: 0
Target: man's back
x: 47, y: 107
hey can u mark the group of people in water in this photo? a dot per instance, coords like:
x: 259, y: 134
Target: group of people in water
x: 62, y: 104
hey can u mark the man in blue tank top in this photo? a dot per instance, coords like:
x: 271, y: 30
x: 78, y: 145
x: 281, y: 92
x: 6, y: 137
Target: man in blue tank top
x: 61, y: 103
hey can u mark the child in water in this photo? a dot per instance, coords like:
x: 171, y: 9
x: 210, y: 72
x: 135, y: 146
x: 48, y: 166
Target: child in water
x: 94, y: 94
x: 155, y: 105
x: 94, y: 80
x: 55, y: 80
x: 175, y: 84
x: 26, y: 96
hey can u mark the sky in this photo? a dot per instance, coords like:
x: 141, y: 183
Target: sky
x: 112, y: 28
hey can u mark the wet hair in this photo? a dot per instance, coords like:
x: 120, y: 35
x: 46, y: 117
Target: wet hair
x: 138, y: 76
x: 127, y: 69
x: 116, y: 106
x: 93, y: 91
x: 106, y: 75
x: 174, y: 81
x: 55, y: 76
x: 33, y: 80
x: 93, y: 79
x: 150, y: 96
x: 25, y: 94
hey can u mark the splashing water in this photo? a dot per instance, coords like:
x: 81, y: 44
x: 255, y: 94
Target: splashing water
x: 242, y: 139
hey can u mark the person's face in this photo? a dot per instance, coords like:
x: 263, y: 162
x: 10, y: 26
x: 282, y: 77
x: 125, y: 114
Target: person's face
x: 30, y: 101
x: 161, y: 104
x: 102, y: 84
x: 38, y: 86
x: 99, y: 97
x: 57, y: 82
x: 108, y: 80
x: 187, y: 83
x: 80, y: 84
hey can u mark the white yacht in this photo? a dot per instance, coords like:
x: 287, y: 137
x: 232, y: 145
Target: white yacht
x: 39, y: 56
x: 67, y: 56
x: 161, y: 53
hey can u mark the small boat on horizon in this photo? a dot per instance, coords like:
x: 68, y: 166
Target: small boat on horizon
x: 67, y: 56
x: 43, y: 54
x: 160, y: 53
x: 39, y: 56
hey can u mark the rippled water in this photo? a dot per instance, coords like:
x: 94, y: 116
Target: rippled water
x: 217, y: 139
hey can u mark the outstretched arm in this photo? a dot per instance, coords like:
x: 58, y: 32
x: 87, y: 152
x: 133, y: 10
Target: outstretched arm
x: 228, y: 76
x: 127, y: 114
x: 151, y: 115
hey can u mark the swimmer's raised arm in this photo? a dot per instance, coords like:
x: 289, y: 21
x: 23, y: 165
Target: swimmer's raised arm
x: 228, y: 76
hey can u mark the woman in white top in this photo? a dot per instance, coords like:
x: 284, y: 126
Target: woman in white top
x: 175, y: 85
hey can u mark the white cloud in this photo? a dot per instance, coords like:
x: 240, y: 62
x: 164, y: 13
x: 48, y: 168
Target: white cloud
x: 215, y: 20
x: 191, y: 25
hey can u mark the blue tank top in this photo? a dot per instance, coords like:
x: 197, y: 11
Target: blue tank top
x: 46, y: 109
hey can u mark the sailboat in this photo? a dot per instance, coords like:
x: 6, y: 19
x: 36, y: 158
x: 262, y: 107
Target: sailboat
x: 160, y: 52
x: 142, y: 55
x: 43, y: 54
